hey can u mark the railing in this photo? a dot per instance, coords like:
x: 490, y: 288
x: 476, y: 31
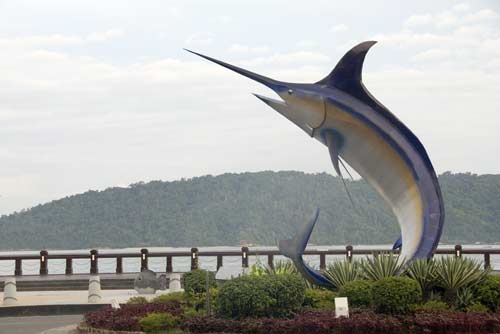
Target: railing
x: 349, y: 252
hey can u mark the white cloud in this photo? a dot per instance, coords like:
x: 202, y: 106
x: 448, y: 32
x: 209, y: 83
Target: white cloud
x: 418, y: 20
x: 284, y: 59
x: 482, y: 15
x: 340, y: 28
x: 104, y: 36
x: 461, y: 7
x: 433, y: 54
x: 238, y: 48
x: 40, y: 40
x: 452, y: 19
x: 200, y: 39
x: 306, y: 44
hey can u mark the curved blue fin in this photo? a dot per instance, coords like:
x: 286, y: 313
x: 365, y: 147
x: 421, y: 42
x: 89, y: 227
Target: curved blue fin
x: 294, y: 248
x: 398, y: 244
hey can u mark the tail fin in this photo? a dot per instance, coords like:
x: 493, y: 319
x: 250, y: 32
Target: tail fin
x: 294, y: 248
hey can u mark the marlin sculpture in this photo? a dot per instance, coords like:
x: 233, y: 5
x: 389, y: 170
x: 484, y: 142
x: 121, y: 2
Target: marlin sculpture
x: 340, y: 113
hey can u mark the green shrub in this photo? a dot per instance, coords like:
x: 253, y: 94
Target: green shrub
x: 199, y: 301
x: 477, y: 308
x: 341, y: 272
x: 137, y: 300
x: 255, y: 296
x: 433, y: 305
x: 172, y: 296
x: 195, y: 281
x: 488, y: 292
x: 396, y: 295
x: 190, y: 312
x: 319, y: 298
x: 380, y: 266
x: 156, y: 322
x: 358, y: 293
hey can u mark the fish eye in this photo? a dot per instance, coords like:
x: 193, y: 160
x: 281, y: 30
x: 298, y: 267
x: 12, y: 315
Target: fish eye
x: 290, y: 91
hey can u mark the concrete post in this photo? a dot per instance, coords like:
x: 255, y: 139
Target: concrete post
x: 43, y: 262
x: 220, y: 261
x: 487, y: 261
x: 244, y: 257
x: 94, y: 289
x: 144, y: 259
x: 194, y: 258
x: 119, y: 265
x: 270, y: 261
x: 348, y: 253
x: 175, y: 283
x: 18, y: 271
x: 69, y: 266
x: 169, y: 267
x: 322, y: 261
x: 93, y: 262
x: 10, y: 292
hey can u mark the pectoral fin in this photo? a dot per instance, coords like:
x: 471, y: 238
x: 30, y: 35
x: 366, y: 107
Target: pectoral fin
x: 334, y: 142
x: 398, y: 243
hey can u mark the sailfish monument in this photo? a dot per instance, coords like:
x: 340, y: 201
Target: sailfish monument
x: 360, y: 132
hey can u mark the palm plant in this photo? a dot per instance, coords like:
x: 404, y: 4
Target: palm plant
x: 341, y: 272
x: 455, y: 273
x: 424, y: 272
x: 381, y: 265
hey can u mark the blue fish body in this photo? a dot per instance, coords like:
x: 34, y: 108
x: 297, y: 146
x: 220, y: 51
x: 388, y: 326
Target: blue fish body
x: 340, y: 113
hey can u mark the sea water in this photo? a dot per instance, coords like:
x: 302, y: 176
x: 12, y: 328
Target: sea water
x: 183, y: 264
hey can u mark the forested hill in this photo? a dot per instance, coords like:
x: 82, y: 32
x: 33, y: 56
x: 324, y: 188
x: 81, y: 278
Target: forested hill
x: 259, y: 207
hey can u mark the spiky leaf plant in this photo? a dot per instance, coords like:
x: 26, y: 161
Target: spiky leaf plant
x: 424, y: 272
x: 381, y: 265
x: 281, y: 268
x: 464, y: 299
x: 455, y: 273
x: 341, y: 272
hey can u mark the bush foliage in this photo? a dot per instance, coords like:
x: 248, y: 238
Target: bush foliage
x: 178, y: 297
x: 195, y: 281
x: 358, y: 293
x: 256, y: 296
x: 488, y: 293
x: 396, y: 295
x: 320, y: 299
x: 157, y: 322
x: 137, y: 300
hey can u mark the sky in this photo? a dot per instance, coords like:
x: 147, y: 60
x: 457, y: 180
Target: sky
x: 97, y: 94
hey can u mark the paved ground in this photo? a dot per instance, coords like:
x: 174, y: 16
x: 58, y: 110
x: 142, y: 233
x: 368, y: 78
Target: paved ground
x: 36, y: 325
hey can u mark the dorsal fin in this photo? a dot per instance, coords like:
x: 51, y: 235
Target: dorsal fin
x: 347, y: 75
x: 349, y: 68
